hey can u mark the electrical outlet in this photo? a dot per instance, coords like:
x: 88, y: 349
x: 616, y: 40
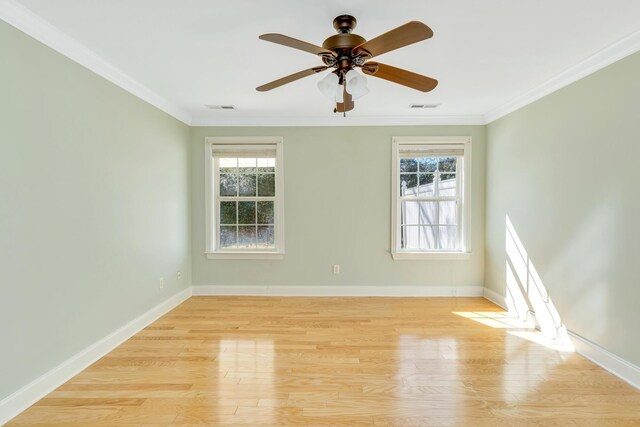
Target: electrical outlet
x: 179, y: 275
x: 161, y: 285
x: 336, y: 268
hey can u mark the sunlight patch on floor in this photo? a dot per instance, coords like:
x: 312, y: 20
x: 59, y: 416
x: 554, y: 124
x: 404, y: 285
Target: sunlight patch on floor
x: 537, y: 337
x: 516, y: 326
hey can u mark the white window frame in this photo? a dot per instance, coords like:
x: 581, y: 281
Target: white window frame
x: 212, y: 217
x: 464, y: 188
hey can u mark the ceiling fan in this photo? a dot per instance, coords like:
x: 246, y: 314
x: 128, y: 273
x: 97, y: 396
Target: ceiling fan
x: 346, y: 51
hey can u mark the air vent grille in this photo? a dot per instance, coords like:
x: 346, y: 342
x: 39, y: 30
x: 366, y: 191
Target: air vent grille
x: 220, y: 107
x: 419, y: 106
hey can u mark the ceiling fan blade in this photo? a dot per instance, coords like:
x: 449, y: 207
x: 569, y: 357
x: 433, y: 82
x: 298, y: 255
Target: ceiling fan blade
x: 291, y: 78
x: 400, y: 76
x: 404, y: 35
x: 348, y: 104
x: 296, y: 44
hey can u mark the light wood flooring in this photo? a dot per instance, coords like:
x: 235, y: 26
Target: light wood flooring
x: 337, y: 362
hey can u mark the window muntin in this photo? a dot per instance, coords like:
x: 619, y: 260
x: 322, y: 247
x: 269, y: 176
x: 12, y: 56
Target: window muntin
x: 430, y: 195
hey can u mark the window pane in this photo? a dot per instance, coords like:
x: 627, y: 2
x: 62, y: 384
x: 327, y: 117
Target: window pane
x: 410, y: 213
x: 448, y: 184
x: 247, y: 185
x: 427, y: 187
x: 408, y: 165
x: 247, y: 237
x: 228, y: 185
x: 448, y: 213
x: 429, y: 164
x: 266, y: 185
x: 246, y: 165
x: 416, y: 213
x: 418, y: 237
x: 228, y: 164
x: 227, y: 236
x: 228, y: 213
x: 426, y: 178
x: 266, y: 237
x: 246, y: 212
x: 448, y: 237
x: 427, y: 238
x: 265, y: 213
x: 447, y: 164
x: 409, y: 184
x: 266, y: 165
x: 427, y: 212
x: 410, y: 238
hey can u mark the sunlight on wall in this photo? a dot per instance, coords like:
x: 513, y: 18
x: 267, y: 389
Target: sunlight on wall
x: 526, y: 296
x: 516, y: 303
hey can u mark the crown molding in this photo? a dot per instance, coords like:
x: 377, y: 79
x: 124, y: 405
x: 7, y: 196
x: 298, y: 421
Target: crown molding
x: 31, y: 24
x: 607, y: 56
x: 336, y: 120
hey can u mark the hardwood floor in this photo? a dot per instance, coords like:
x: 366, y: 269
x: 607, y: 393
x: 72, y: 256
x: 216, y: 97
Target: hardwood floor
x: 337, y: 361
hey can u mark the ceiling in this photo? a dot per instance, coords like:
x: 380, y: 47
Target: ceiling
x: 486, y: 54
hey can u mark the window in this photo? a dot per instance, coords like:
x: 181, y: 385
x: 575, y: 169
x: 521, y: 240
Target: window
x: 244, y: 188
x: 431, y: 197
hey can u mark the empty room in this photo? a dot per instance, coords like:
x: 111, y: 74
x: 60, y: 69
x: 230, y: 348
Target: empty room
x: 336, y: 213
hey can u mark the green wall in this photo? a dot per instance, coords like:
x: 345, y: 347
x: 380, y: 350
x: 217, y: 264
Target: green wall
x: 102, y: 194
x: 338, y: 211
x: 564, y: 170
x: 94, y: 208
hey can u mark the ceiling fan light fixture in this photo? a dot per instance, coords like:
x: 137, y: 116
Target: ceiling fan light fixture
x: 339, y: 94
x: 356, y: 84
x: 328, y: 84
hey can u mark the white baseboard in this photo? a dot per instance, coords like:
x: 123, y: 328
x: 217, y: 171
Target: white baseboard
x: 619, y: 367
x: 20, y: 400
x: 495, y: 298
x: 343, y: 291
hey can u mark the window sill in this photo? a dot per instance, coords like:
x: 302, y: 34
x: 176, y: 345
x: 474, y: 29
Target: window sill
x: 246, y: 255
x: 397, y: 256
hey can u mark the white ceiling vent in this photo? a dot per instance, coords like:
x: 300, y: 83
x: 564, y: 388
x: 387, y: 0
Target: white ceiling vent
x: 220, y: 107
x: 418, y: 106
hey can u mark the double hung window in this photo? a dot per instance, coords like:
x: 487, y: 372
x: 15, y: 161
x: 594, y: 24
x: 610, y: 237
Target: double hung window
x: 430, y: 195
x: 245, y: 198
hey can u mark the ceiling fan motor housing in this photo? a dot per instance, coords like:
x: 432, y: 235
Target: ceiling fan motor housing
x: 343, y: 42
